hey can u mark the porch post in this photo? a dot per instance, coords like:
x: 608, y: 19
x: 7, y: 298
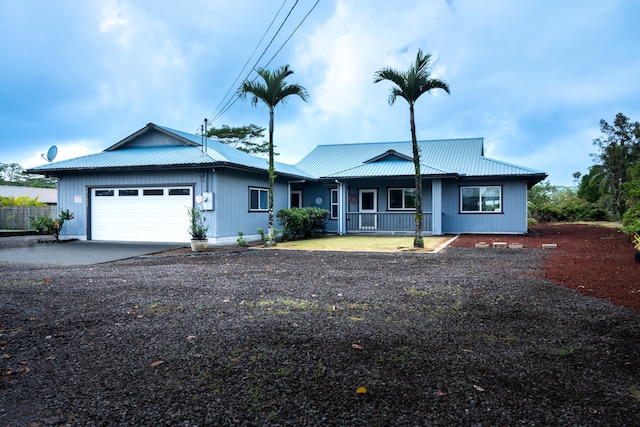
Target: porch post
x: 342, y: 214
x: 436, y: 208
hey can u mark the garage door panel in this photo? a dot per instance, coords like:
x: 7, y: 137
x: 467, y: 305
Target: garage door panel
x: 153, y: 215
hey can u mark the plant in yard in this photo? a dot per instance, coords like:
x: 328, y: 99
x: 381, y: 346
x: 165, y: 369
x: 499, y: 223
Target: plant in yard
x: 242, y: 241
x: 410, y: 85
x: 565, y: 352
x: 197, y: 227
x: 48, y: 225
x: 271, y: 91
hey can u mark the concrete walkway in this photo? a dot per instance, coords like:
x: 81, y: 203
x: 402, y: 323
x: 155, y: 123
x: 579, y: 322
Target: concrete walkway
x: 28, y: 251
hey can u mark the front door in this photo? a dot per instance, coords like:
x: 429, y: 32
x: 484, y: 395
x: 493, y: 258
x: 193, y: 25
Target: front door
x: 368, y: 207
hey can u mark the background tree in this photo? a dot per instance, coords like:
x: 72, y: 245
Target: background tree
x: 271, y: 90
x: 13, y: 174
x: 241, y: 137
x: 410, y: 85
x: 619, y: 151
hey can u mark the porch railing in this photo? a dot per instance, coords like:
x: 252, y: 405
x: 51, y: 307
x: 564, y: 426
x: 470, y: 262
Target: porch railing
x: 387, y: 221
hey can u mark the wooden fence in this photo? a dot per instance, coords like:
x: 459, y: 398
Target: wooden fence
x: 21, y: 217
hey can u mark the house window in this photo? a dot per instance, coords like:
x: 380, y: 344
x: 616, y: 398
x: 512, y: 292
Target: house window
x: 104, y: 193
x: 258, y: 199
x: 481, y: 199
x: 179, y: 191
x: 402, y: 198
x: 127, y: 193
x: 153, y: 192
x: 334, y: 203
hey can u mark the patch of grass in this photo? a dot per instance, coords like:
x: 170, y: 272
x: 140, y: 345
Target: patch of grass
x: 508, y: 339
x: 19, y: 282
x: 282, y: 372
x: 362, y: 243
x: 634, y: 393
x: 566, y: 352
x: 320, y: 370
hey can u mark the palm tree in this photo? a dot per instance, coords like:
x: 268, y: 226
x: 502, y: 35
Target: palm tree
x: 410, y: 85
x: 273, y: 90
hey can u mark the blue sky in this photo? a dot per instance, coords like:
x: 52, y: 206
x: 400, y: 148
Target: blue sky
x: 532, y: 77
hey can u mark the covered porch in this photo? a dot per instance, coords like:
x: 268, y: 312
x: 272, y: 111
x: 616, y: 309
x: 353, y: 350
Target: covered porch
x: 386, y: 222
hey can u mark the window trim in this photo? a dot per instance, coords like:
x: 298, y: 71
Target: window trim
x: 403, y: 189
x: 480, y: 188
x: 333, y: 204
x: 259, y: 190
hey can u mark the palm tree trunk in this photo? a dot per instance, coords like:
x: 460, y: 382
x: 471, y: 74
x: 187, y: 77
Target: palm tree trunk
x: 271, y: 238
x: 418, y: 242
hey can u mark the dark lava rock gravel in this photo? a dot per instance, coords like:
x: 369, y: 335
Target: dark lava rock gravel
x: 268, y: 337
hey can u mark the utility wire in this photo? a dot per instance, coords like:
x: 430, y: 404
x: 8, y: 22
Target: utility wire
x: 252, y: 53
x: 230, y: 103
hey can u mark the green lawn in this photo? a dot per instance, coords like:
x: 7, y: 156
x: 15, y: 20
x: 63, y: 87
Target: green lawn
x: 363, y: 243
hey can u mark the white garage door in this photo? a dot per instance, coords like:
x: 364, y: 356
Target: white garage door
x: 145, y: 214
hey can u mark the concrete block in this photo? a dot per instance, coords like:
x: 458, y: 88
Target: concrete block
x: 482, y: 245
x: 549, y: 245
x: 499, y: 244
x: 516, y: 246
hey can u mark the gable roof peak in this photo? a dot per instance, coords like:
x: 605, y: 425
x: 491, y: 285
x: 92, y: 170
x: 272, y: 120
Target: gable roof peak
x: 389, y: 155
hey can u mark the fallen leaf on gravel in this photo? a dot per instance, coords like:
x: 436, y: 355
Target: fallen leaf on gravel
x: 52, y: 357
x: 441, y: 393
x: 46, y: 280
x: 361, y: 390
x: 357, y: 346
x: 191, y: 337
x: 466, y: 350
x: 157, y: 363
x: 477, y: 387
x: 5, y: 356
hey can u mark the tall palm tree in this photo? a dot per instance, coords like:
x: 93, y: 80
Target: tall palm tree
x: 271, y: 91
x: 410, y: 85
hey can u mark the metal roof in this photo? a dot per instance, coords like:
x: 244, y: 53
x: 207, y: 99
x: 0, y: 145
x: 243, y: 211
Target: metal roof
x: 445, y: 157
x: 125, y: 154
x: 459, y: 157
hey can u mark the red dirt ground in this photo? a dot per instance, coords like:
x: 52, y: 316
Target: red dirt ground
x: 596, y: 260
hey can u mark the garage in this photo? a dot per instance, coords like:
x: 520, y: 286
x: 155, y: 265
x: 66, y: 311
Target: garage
x: 143, y: 214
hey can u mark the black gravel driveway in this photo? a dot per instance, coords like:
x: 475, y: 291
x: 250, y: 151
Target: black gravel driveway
x: 267, y: 337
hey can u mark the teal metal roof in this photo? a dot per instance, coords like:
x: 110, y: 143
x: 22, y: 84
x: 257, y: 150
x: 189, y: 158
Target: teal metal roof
x: 186, y: 151
x: 161, y: 147
x: 459, y: 157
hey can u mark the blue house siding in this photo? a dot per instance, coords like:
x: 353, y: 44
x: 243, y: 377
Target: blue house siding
x: 232, y: 201
x: 156, y: 156
x: 512, y: 219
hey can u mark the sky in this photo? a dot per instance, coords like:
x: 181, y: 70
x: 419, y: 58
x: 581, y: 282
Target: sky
x: 532, y: 77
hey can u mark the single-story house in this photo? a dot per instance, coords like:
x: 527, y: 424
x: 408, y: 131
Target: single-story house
x: 139, y: 189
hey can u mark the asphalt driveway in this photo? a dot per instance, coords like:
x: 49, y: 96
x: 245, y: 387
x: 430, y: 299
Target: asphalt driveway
x: 27, y: 250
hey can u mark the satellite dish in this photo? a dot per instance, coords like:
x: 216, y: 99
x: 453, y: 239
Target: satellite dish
x: 51, y: 154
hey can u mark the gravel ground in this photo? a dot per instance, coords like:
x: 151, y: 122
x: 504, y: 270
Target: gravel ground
x: 268, y: 337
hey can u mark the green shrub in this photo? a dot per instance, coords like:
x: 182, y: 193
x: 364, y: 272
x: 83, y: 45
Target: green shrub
x: 569, y: 209
x: 48, y: 225
x: 302, y: 222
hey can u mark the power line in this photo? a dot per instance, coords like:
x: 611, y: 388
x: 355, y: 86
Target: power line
x: 232, y: 101
x: 251, y: 56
